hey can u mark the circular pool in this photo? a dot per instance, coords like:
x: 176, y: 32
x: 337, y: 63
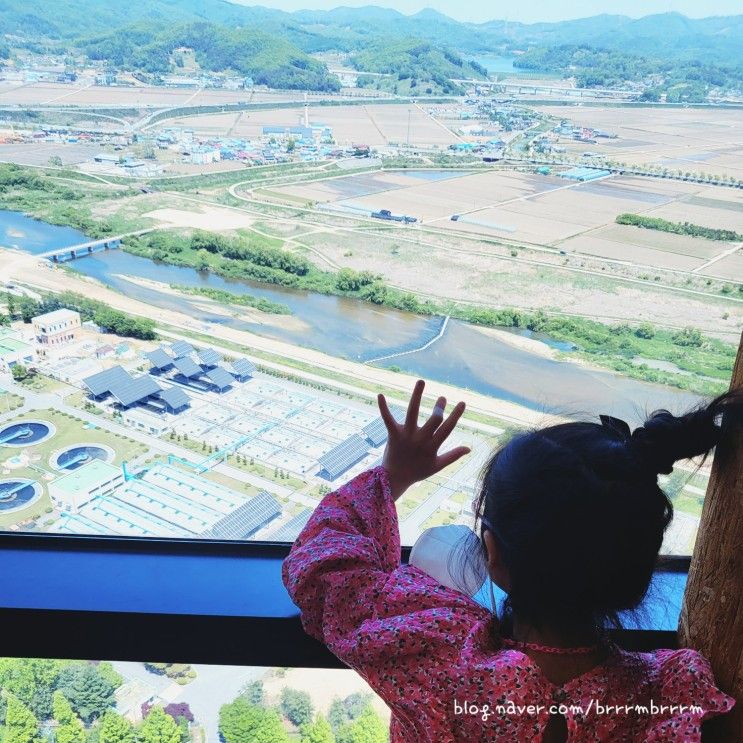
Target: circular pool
x: 16, y: 494
x: 77, y: 455
x: 25, y: 433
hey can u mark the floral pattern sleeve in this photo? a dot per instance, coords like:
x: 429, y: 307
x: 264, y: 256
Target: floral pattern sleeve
x: 400, y: 629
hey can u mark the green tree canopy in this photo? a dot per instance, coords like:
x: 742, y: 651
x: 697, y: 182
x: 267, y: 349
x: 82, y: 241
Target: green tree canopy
x: 254, y: 693
x: 296, y: 706
x: 70, y: 729
x: 115, y: 729
x: 366, y: 728
x: 159, y: 728
x: 347, y: 710
x: 20, y: 724
x: 242, y: 722
x: 87, y: 691
x: 318, y: 731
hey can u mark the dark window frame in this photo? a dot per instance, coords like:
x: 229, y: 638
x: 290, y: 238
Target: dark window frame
x: 49, y: 609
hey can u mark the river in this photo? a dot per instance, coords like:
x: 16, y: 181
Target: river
x: 465, y: 355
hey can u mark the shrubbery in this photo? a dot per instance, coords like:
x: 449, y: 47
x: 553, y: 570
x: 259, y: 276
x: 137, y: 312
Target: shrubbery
x: 678, y: 228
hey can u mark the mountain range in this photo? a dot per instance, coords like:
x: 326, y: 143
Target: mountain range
x: 714, y: 39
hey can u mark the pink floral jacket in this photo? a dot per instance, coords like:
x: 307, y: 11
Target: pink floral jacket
x: 428, y: 650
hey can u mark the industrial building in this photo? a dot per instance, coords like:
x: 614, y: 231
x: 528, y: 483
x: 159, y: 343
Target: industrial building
x: 343, y: 456
x: 203, y: 369
x: 126, y: 391
x: 75, y: 489
x: 585, y: 174
x: 57, y: 328
x: 163, y: 501
x: 14, y: 350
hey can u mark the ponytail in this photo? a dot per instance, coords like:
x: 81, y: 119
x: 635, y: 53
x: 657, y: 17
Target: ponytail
x: 665, y: 438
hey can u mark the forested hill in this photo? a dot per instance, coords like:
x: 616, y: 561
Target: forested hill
x: 269, y: 59
x: 417, y: 67
x: 670, y: 35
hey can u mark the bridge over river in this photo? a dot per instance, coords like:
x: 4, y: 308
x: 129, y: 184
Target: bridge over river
x: 71, y: 252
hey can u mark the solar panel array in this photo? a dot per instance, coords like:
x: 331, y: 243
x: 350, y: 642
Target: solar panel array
x: 174, y: 397
x: 219, y: 377
x: 376, y: 432
x: 209, y: 357
x: 186, y: 367
x: 100, y: 383
x: 290, y: 530
x: 159, y: 359
x: 179, y: 349
x: 135, y: 389
x: 343, y: 456
x: 242, y: 368
x: 247, y: 518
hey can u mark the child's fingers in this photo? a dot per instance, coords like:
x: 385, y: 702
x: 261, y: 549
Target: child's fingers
x: 384, y: 411
x: 448, y: 457
x: 436, y: 417
x: 414, y: 406
x: 443, y: 431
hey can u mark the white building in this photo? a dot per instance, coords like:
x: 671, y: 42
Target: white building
x: 14, y: 350
x: 73, y: 490
x: 57, y: 328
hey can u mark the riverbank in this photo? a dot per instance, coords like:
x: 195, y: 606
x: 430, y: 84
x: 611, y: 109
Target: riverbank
x: 39, y: 275
x: 705, y: 363
x: 219, y: 306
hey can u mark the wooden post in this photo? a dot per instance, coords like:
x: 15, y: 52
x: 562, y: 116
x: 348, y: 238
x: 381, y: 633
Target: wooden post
x: 712, y: 613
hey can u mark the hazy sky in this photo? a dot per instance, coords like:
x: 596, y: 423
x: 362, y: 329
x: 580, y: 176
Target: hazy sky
x: 530, y: 11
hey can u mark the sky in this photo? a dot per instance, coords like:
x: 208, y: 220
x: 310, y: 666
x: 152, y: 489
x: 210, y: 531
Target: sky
x: 527, y: 12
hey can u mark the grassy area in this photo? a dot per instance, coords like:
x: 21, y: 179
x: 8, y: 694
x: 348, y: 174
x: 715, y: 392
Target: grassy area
x: 70, y: 430
x: 9, y: 402
x: 244, y: 300
x: 42, y: 383
x: 238, y: 461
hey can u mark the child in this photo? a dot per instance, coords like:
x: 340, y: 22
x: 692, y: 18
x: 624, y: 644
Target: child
x: 572, y: 519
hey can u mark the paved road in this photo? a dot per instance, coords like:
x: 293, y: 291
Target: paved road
x: 212, y: 687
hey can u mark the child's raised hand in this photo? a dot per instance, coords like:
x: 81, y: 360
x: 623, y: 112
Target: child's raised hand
x: 412, y: 451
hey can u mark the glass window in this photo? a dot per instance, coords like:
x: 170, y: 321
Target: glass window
x: 248, y: 251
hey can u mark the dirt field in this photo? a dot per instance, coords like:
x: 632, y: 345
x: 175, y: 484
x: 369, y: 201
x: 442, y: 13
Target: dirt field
x: 372, y: 125
x: 207, y: 218
x: 551, y: 211
x: 697, y: 140
x: 135, y: 96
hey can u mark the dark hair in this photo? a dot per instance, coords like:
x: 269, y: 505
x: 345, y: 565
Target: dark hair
x: 579, y: 516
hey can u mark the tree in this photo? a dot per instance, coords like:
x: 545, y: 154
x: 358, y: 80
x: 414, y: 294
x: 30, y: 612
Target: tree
x: 20, y: 724
x: 318, y: 731
x: 19, y: 372
x: 367, y: 728
x: 296, y: 706
x: 159, y: 728
x: 87, y: 691
x: 108, y: 672
x: 254, y: 693
x: 70, y: 729
x: 688, y: 337
x: 347, y: 710
x: 115, y: 729
x: 241, y: 722
x: 55, y: 161
x: 645, y: 330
